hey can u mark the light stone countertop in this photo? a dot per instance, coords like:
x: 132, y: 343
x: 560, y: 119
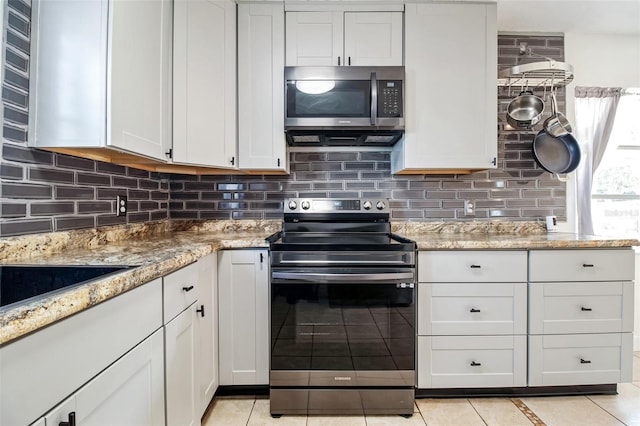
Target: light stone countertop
x: 160, y: 248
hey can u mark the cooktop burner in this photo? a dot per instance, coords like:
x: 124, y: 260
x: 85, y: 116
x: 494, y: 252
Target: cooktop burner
x: 21, y: 282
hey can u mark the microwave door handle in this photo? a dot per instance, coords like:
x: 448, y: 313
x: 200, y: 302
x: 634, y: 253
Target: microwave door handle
x: 374, y: 99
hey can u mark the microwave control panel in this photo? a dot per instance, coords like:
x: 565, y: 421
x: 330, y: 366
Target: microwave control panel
x: 390, y: 98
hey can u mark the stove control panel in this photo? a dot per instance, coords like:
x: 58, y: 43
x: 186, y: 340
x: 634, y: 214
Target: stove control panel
x: 335, y: 205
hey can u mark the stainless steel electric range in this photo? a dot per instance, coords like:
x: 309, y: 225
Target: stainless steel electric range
x: 343, y: 294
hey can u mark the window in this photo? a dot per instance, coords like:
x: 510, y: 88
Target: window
x: 615, y: 194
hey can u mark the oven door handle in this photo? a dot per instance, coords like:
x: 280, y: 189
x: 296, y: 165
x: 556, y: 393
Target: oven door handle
x: 351, y: 278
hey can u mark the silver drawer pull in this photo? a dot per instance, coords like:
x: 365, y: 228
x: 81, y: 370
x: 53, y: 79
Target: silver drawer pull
x: 475, y: 364
x: 583, y: 309
x: 587, y: 265
x: 475, y: 266
x: 474, y: 310
x: 584, y: 361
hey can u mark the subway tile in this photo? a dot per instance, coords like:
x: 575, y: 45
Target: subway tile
x: 125, y: 182
x: 200, y: 205
x: 75, y: 222
x: 19, y: 24
x: 147, y: 205
x: 159, y: 195
x: 9, y: 210
x: 110, y: 219
x: 231, y: 187
x: 280, y: 195
x: 504, y: 213
x: 360, y: 165
x: 14, y: 134
x: 185, y: 196
x: 375, y: 175
x: 74, y: 193
x: 248, y: 195
x: 394, y: 184
x: 504, y: 193
x: 325, y: 166
x: 51, y: 208
x: 115, y: 169
x: 305, y: 157
x: 77, y: 163
x: 344, y: 194
x: 17, y: 80
x: 95, y: 206
x: 108, y: 193
x: 138, y: 217
x: 219, y: 215
x: 434, y: 184
x: 343, y: 175
x: 14, y: 97
x: 376, y: 194
x: 440, y: 195
x: 342, y: 156
x: 312, y: 194
x: 246, y: 215
x: 328, y: 186
x: 24, y: 227
x: 21, y: 7
x: 360, y: 185
x: 135, y: 194
x: 225, y: 205
x: 137, y: 173
x: 48, y: 175
x: 406, y: 214
x: 374, y: 156
x: 264, y: 186
x: 10, y: 171
x: 266, y: 205
x: 532, y: 213
x: 183, y: 214
x: 490, y: 203
x: 26, y: 190
x: 160, y: 215
x: 440, y: 214
x: 148, y: 184
x: 214, y: 195
x: 314, y: 176
x: 93, y: 179
x: 15, y: 116
x: 433, y: 204
x: 408, y: 194
x: 17, y: 61
x: 17, y: 42
x: 176, y: 186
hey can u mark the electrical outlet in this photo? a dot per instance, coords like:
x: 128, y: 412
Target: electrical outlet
x: 469, y: 208
x: 121, y: 205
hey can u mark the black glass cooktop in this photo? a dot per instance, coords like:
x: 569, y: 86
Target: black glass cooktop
x: 22, y: 282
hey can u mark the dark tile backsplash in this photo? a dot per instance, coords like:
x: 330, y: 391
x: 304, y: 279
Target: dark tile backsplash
x: 42, y: 191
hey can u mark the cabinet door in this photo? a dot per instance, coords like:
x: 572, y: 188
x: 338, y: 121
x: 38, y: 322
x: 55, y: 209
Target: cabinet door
x: 204, y: 83
x: 207, y: 331
x: 140, y: 76
x: 243, y: 285
x: 180, y: 358
x: 261, y: 140
x: 450, y: 88
x: 129, y: 392
x: 373, y: 38
x: 314, y: 38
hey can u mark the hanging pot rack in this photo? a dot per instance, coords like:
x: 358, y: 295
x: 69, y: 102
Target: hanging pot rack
x: 548, y: 73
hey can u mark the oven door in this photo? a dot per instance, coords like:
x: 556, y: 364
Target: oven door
x: 342, y: 327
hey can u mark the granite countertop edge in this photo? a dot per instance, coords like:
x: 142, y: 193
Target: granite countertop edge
x: 160, y: 250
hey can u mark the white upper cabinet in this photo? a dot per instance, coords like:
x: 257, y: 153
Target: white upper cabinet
x: 450, y: 89
x: 261, y: 140
x: 204, y: 84
x: 101, y: 75
x: 344, y: 38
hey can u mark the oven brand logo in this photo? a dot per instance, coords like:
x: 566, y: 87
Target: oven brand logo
x: 342, y: 378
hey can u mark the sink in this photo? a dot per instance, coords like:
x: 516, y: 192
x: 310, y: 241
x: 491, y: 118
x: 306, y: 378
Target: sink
x: 21, y: 282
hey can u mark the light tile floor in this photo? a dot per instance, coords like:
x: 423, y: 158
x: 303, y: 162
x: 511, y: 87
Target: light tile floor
x: 621, y: 409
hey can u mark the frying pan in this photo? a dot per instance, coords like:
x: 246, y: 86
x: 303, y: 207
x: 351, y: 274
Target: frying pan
x: 556, y: 154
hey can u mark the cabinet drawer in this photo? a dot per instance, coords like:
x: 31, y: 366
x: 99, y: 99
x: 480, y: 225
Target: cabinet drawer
x: 569, y: 308
x: 580, y: 359
x: 472, y: 266
x: 581, y: 265
x: 472, y: 309
x: 472, y: 361
x: 180, y: 289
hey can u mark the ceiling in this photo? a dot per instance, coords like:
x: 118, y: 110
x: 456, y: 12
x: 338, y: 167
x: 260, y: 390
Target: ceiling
x: 584, y: 16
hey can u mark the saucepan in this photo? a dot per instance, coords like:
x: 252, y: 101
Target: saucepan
x: 556, y: 154
x: 557, y: 124
x: 525, y: 110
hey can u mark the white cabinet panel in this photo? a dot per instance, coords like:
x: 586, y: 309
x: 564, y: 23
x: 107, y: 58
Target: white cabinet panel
x: 204, y: 83
x: 180, y: 290
x: 472, y: 266
x: 472, y: 308
x: 101, y: 75
x: 575, y: 307
x: 261, y: 139
x: 180, y: 356
x: 580, y: 359
x: 373, y: 38
x: 581, y: 265
x: 243, y: 280
x: 314, y: 38
x: 207, y: 331
x: 472, y: 361
x: 450, y: 67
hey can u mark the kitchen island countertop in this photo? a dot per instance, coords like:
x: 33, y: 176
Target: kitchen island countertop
x: 161, y: 248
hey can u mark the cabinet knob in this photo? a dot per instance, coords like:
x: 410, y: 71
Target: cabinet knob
x: 584, y: 361
x: 201, y: 310
x: 475, y: 266
x: 475, y: 364
x: 587, y: 265
x: 187, y: 289
x: 583, y: 309
x: 71, y: 420
x: 474, y: 310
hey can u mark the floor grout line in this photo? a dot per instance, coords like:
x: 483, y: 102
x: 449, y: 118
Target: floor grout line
x: 604, y: 409
x: 533, y: 418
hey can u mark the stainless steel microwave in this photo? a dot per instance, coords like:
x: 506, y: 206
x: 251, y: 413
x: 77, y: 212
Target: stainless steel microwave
x: 344, y: 105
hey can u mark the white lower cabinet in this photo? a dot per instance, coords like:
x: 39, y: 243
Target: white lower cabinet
x: 472, y: 361
x: 207, y: 332
x: 129, y: 392
x: 243, y: 291
x: 580, y: 316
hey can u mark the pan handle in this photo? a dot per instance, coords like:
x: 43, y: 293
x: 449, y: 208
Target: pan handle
x: 561, y: 178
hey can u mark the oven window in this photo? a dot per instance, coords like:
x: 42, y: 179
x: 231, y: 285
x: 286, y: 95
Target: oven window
x: 342, y: 327
x: 344, y: 98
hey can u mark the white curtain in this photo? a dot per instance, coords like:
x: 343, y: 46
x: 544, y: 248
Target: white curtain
x: 595, y: 112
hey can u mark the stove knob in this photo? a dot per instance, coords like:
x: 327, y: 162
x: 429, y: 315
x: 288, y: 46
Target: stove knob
x: 292, y: 205
x: 305, y: 205
x: 367, y: 205
x: 380, y: 205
